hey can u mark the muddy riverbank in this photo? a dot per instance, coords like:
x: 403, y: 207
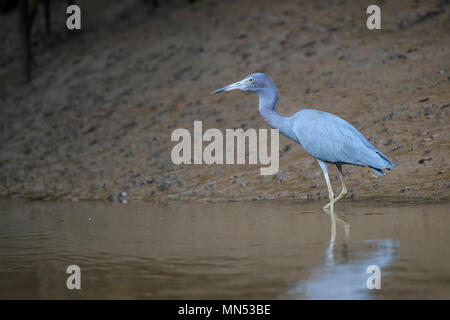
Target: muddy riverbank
x: 96, y: 119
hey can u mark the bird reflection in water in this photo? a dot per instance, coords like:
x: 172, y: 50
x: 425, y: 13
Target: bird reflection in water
x: 344, y: 272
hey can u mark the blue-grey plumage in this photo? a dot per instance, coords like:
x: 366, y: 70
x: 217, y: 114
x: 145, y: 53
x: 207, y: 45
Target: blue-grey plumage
x: 332, y: 139
x: 328, y: 138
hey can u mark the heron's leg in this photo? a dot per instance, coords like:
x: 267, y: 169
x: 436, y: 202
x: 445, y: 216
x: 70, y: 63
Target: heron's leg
x: 330, y: 193
x: 344, y: 189
x: 324, y: 167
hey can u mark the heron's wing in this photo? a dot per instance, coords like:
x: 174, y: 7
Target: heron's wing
x: 332, y: 139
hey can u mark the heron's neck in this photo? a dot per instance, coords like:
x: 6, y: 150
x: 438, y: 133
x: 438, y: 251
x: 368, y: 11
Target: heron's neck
x: 267, y: 101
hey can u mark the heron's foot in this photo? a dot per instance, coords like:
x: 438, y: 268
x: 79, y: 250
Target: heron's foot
x: 339, y: 197
x: 327, y: 206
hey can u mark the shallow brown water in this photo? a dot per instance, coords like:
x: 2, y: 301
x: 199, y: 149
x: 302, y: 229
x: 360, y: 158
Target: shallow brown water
x: 267, y: 250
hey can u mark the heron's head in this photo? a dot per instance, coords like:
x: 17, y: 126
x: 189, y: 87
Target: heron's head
x: 255, y: 82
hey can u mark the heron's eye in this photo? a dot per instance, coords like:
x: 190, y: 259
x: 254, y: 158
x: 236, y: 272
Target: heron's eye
x: 251, y: 80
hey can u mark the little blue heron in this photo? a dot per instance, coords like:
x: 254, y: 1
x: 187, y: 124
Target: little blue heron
x: 328, y: 138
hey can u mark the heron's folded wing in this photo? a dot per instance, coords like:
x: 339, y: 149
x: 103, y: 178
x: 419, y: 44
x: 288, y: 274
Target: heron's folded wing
x: 332, y: 139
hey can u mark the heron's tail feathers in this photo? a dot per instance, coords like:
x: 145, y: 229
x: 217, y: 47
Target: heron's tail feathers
x: 377, y: 171
x: 387, y: 162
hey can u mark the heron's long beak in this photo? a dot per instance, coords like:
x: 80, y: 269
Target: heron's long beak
x: 233, y: 86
